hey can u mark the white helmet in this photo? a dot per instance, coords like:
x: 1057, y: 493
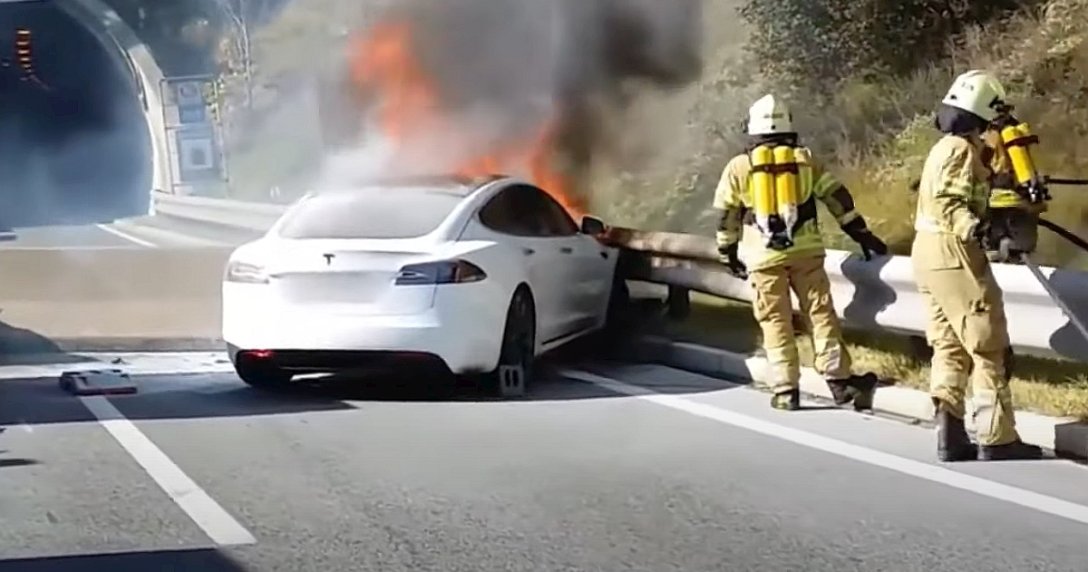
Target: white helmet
x: 769, y: 116
x: 977, y: 92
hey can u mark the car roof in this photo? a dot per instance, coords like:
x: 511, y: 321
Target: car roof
x: 444, y: 184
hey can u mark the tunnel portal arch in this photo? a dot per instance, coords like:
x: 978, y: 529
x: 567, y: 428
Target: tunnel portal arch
x: 134, y: 62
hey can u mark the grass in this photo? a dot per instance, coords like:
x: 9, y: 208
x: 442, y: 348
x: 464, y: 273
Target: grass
x: 1045, y: 386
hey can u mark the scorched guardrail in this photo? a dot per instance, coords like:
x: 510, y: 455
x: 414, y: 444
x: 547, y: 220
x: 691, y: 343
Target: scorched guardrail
x: 879, y: 294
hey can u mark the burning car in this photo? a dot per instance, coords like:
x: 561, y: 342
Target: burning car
x: 476, y: 276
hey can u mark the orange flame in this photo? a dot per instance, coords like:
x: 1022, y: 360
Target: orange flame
x: 384, y: 65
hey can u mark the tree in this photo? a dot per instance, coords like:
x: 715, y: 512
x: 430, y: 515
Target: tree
x: 820, y: 43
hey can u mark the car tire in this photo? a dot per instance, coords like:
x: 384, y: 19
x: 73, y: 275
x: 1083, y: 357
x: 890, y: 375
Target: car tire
x: 517, y: 354
x: 261, y: 376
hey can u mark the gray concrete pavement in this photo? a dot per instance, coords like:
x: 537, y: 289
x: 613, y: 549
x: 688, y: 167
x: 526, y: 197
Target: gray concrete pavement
x: 65, y: 237
x: 49, y: 296
x: 138, y: 283
x: 577, y: 477
x: 139, y: 232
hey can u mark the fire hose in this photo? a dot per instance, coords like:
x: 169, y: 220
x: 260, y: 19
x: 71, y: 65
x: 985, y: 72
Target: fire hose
x: 1025, y: 257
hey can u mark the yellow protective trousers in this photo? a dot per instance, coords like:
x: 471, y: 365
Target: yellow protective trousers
x: 773, y: 309
x: 968, y: 331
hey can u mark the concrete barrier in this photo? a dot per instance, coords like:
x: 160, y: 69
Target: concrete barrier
x: 110, y: 299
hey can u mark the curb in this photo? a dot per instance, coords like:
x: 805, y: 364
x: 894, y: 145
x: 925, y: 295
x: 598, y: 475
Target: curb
x: 1065, y: 436
x: 139, y: 344
x: 100, y: 344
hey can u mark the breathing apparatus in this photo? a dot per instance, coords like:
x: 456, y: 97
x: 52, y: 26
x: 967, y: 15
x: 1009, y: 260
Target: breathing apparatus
x: 1014, y: 216
x: 777, y: 171
x: 1013, y: 224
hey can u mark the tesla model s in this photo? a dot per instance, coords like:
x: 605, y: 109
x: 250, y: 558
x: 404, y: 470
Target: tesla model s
x: 478, y: 277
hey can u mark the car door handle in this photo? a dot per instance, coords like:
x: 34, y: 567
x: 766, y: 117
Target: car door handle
x: 566, y: 250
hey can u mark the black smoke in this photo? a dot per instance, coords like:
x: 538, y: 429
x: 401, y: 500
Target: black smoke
x: 504, y: 67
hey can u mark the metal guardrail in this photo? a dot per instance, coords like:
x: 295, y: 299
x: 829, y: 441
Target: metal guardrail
x: 871, y: 295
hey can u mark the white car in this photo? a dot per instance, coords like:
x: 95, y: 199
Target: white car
x: 476, y: 276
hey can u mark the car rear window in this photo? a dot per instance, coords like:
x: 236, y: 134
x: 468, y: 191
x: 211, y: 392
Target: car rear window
x: 381, y: 213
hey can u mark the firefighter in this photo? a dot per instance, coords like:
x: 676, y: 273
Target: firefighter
x: 967, y: 326
x: 772, y: 189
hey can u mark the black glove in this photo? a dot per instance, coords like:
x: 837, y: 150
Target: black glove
x: 869, y: 243
x: 730, y: 258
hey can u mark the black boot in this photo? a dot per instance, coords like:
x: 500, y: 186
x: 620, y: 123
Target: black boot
x: 863, y: 388
x: 840, y: 391
x: 787, y: 400
x: 953, y: 444
x: 856, y: 388
x: 1015, y: 451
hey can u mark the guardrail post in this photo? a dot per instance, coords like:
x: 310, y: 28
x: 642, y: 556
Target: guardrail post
x: 679, y: 302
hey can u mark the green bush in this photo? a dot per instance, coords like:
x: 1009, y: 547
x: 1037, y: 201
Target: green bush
x: 818, y: 43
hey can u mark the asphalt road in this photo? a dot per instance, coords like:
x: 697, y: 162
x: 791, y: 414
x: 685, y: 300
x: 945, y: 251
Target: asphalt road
x: 197, y: 472
x: 141, y: 232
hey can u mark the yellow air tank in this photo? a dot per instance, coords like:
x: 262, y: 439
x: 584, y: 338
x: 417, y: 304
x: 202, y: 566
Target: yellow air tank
x: 786, y: 184
x: 1018, y: 141
x: 763, y: 187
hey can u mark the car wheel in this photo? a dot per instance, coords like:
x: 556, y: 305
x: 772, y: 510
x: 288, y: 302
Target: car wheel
x: 518, y: 351
x: 263, y: 376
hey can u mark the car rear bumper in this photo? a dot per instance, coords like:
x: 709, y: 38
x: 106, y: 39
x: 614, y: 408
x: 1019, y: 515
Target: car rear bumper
x: 326, y: 340
x: 331, y: 361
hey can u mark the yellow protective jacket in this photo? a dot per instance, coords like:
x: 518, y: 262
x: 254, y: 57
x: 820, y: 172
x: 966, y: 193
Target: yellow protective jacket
x: 954, y: 191
x: 734, y: 199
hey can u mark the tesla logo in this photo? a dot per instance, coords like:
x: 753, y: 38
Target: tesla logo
x: 328, y: 259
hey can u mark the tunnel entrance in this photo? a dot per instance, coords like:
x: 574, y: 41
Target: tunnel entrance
x: 74, y: 142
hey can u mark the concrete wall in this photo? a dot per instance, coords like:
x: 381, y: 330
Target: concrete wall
x: 141, y: 295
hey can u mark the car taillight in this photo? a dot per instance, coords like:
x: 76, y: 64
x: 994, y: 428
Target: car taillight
x: 246, y: 273
x: 443, y: 272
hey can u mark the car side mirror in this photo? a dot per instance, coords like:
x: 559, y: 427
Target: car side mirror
x: 592, y: 226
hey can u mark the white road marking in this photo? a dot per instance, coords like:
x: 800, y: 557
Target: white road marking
x: 216, y: 522
x: 925, y: 471
x: 126, y: 236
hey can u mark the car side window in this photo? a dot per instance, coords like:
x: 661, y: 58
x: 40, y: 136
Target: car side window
x: 519, y: 211
x: 559, y: 221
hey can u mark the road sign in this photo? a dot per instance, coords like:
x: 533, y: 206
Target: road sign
x: 198, y: 157
x: 189, y: 93
x: 192, y: 115
x: 192, y: 97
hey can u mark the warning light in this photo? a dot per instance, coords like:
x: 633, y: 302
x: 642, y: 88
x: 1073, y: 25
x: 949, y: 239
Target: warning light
x: 24, y: 56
